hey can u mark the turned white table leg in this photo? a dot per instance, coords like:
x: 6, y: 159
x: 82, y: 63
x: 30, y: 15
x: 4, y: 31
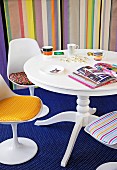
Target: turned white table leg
x: 75, y: 132
x: 82, y: 115
x: 91, y: 110
x: 82, y: 104
x: 83, y: 108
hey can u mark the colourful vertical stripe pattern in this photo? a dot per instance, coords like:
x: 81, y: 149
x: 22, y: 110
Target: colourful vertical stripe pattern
x: 104, y: 128
x: 37, y: 19
x: 88, y: 23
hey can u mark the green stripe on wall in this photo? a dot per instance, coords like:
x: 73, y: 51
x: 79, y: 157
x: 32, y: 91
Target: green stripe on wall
x: 90, y: 23
x: 34, y: 19
x: 7, y: 20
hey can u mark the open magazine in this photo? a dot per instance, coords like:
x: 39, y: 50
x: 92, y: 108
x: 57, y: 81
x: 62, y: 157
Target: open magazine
x: 93, y: 77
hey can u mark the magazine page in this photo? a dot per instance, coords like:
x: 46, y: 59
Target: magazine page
x: 92, y: 77
x: 110, y: 69
x: 93, y: 74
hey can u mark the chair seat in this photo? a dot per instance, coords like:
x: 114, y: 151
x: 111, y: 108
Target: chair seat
x: 19, y: 108
x: 20, y: 78
x: 104, y: 128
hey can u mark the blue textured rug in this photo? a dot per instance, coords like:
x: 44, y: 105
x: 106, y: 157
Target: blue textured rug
x: 53, y: 139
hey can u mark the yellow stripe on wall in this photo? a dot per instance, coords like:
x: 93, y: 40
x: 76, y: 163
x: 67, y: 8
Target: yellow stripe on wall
x: 96, y: 23
x: 30, y: 18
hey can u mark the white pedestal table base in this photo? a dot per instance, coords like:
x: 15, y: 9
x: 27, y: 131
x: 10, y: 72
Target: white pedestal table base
x: 82, y: 117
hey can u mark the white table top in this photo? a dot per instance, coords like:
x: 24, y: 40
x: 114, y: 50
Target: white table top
x: 60, y: 82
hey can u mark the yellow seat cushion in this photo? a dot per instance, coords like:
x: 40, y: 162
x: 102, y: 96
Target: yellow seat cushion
x: 19, y: 108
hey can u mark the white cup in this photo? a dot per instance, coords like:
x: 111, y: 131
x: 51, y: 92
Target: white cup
x: 71, y: 49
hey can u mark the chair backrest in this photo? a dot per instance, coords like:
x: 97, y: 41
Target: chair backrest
x: 5, y: 91
x: 20, y: 50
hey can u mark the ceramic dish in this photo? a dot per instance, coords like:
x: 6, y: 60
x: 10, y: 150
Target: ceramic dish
x: 52, y: 69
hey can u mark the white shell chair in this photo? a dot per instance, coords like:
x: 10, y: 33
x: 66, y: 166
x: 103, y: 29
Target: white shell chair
x: 20, y: 50
x: 15, y: 109
x: 108, y: 166
x: 104, y: 129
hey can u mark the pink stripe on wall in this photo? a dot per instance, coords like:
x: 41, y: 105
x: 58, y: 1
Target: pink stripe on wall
x: 38, y: 22
x: 14, y: 19
x: 21, y: 18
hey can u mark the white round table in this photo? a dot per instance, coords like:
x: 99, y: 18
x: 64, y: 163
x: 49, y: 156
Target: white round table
x: 61, y: 83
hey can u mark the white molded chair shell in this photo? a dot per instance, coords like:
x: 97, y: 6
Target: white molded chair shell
x: 20, y: 50
x: 5, y: 91
x: 104, y: 130
x: 15, y: 150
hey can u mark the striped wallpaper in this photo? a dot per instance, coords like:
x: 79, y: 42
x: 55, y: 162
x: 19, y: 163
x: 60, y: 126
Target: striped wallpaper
x: 88, y: 23
x: 38, y: 19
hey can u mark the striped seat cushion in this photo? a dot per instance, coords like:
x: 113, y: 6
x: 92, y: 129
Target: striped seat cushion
x: 104, y: 128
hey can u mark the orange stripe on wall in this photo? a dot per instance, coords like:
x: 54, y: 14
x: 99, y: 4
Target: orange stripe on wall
x: 86, y: 24
x: 53, y: 26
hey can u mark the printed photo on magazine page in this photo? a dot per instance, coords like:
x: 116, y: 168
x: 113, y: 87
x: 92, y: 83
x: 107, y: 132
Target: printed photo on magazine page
x: 92, y: 77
